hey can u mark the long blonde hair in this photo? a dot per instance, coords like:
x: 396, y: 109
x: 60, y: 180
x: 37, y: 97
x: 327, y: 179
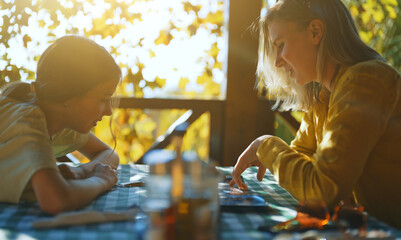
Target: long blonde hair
x: 340, y: 43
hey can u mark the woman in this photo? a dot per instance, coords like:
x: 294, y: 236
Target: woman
x: 348, y: 142
x: 53, y: 116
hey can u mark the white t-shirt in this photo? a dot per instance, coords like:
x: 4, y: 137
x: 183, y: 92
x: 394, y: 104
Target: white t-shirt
x: 26, y: 147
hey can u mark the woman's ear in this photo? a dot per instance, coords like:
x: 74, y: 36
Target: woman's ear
x: 316, y: 28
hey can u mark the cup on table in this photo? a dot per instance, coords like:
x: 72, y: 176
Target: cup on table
x: 190, y: 214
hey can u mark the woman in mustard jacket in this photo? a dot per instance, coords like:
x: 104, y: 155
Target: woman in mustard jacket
x: 348, y: 144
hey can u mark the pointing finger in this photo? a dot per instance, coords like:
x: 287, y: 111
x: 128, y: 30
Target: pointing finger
x: 261, y: 172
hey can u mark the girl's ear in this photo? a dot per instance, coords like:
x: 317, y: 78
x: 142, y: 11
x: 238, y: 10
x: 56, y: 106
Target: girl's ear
x: 316, y: 28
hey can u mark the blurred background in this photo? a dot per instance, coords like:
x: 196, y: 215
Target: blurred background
x: 177, y: 55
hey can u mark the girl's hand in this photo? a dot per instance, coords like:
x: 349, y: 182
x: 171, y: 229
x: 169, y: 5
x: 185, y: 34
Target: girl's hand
x: 69, y: 172
x: 106, y: 173
x: 247, y: 159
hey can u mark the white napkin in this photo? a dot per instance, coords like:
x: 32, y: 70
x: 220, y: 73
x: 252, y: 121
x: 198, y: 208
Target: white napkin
x: 84, y: 217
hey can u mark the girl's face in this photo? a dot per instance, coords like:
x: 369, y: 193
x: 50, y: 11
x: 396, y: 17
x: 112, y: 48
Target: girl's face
x: 296, y: 50
x: 84, y: 112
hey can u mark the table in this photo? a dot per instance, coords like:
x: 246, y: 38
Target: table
x: 16, y: 220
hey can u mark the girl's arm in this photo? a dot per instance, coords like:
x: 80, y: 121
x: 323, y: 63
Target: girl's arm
x: 97, y: 152
x: 56, y: 194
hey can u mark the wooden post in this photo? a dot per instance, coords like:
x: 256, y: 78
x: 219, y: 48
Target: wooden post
x: 245, y: 117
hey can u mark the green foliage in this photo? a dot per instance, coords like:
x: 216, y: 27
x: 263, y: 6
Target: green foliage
x: 283, y: 129
x: 379, y: 25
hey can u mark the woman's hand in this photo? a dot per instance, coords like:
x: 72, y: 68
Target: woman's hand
x: 247, y: 159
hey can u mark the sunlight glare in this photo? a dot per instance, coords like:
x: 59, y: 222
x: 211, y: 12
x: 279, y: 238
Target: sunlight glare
x: 278, y: 218
x: 97, y: 8
x: 185, y: 55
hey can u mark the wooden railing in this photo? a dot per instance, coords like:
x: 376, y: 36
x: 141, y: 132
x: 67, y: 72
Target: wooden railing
x: 196, y: 108
x: 219, y: 123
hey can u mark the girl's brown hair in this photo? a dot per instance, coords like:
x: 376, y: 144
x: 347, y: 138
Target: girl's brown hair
x: 71, y: 66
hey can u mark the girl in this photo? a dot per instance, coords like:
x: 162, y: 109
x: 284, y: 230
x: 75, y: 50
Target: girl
x: 348, y: 142
x: 53, y: 116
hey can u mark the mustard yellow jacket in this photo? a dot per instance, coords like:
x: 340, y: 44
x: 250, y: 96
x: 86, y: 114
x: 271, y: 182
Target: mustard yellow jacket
x: 348, y: 145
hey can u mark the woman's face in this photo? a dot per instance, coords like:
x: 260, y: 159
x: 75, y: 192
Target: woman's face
x: 296, y: 50
x: 84, y: 112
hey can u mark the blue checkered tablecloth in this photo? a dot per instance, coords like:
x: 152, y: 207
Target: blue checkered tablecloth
x: 16, y: 220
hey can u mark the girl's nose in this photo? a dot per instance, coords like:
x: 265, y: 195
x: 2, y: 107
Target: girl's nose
x: 108, y: 110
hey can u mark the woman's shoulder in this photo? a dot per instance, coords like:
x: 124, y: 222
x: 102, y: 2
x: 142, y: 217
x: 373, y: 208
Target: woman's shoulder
x: 373, y: 74
x: 370, y: 80
x: 374, y: 69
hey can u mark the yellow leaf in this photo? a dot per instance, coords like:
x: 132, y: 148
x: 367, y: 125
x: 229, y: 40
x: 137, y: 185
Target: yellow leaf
x: 204, y: 78
x: 26, y: 39
x: 152, y: 54
x: 214, y: 51
x: 183, y: 82
x: 391, y: 12
x: 204, y: 132
x: 136, y: 151
x: 370, y: 4
x: 365, y: 36
x: 145, y: 127
x: 380, y: 33
x: 390, y: 2
x: 354, y: 11
x: 99, y: 26
x: 365, y: 16
x: 192, y: 29
x: 213, y: 89
x: 164, y: 37
x: 378, y: 15
x: 189, y: 7
x: 161, y: 82
x: 218, y: 65
x: 214, y: 18
x: 126, y: 131
x: 42, y: 23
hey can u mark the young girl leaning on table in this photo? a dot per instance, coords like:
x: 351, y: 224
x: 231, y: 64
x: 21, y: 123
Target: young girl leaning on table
x: 348, y: 144
x: 53, y: 116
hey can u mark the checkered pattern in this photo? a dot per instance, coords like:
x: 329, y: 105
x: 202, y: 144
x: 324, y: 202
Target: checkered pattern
x: 16, y: 220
